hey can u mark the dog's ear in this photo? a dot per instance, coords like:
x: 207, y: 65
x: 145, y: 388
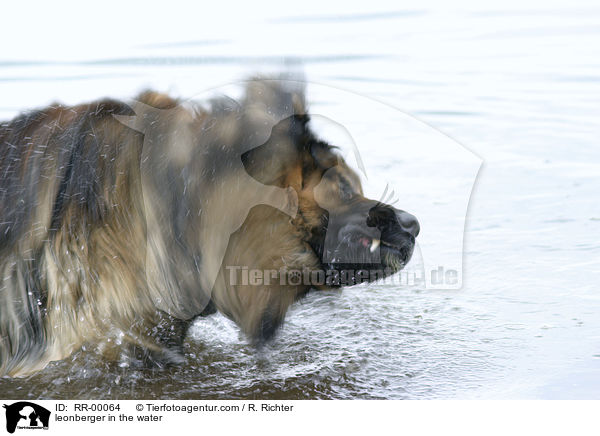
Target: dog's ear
x: 298, y: 128
x: 272, y: 162
x: 324, y: 155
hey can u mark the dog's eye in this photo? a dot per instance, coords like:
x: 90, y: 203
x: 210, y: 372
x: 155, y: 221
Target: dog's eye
x: 346, y: 193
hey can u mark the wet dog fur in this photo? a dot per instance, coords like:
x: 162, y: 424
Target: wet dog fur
x: 109, y: 211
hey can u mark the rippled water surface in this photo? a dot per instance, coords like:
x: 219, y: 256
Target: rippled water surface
x: 518, y: 86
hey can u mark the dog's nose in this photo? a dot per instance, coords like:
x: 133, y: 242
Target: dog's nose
x: 387, y: 218
x: 408, y: 223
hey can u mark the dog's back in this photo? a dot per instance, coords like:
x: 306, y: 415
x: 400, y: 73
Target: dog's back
x: 61, y: 170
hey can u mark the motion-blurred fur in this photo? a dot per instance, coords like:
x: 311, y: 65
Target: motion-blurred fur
x: 103, y: 221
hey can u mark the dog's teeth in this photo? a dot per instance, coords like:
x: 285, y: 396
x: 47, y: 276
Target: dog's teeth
x: 374, y: 245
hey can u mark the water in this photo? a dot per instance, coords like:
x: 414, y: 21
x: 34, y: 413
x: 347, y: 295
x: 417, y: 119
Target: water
x: 517, y: 85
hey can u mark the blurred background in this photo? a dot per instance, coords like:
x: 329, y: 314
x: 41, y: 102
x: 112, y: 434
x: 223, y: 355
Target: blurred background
x: 517, y: 84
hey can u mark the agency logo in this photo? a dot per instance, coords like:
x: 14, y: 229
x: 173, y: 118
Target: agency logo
x: 246, y: 146
x: 26, y: 415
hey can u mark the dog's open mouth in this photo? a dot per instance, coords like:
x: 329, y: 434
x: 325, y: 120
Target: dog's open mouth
x: 379, y: 255
x: 374, y: 243
x: 388, y: 252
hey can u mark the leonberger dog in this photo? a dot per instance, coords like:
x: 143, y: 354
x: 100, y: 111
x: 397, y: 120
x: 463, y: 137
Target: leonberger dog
x: 120, y: 223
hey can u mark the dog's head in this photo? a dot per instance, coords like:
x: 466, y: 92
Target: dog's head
x: 347, y: 232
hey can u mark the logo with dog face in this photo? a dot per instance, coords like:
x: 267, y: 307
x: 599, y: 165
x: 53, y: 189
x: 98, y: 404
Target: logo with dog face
x: 26, y: 415
x: 234, y: 188
x: 275, y: 144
